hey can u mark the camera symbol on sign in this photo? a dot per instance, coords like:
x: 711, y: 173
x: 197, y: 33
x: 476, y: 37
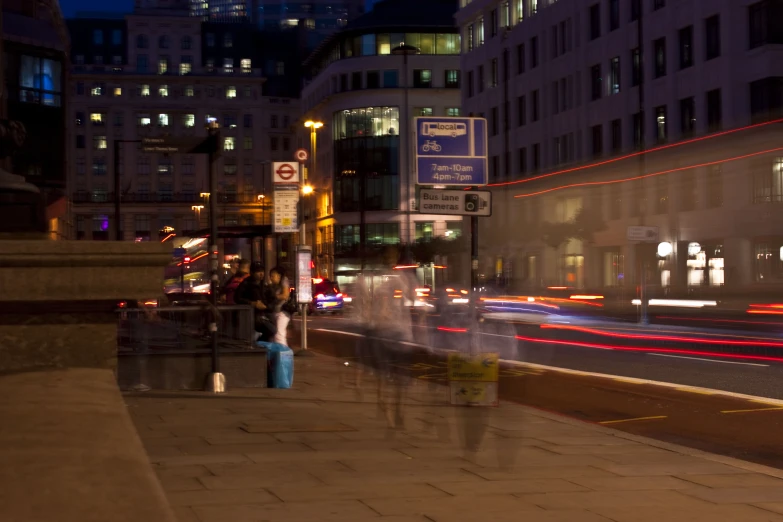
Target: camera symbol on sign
x: 473, y: 203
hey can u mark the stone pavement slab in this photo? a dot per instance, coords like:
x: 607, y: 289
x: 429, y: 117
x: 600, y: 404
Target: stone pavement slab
x: 321, y: 451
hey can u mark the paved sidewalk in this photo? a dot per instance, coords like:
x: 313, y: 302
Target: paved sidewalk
x: 322, y: 451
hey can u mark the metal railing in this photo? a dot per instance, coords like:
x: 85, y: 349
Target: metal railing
x: 184, y: 329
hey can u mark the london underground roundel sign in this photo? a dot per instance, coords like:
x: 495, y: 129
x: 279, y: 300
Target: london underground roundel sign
x: 286, y: 172
x: 301, y: 155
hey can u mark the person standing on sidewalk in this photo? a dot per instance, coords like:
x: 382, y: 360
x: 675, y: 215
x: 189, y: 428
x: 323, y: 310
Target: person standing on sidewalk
x: 251, y: 292
x: 275, y: 296
x: 230, y: 287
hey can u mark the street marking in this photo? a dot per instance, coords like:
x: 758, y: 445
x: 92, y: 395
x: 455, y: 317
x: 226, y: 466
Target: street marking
x: 624, y: 379
x: 657, y: 417
x: 749, y: 411
x: 708, y: 360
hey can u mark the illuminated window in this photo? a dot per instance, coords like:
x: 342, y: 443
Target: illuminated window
x: 163, y: 91
x: 228, y: 65
x: 231, y: 92
x: 97, y: 118
x: 165, y: 166
x: 228, y: 40
x: 228, y: 143
x: 189, y: 91
x: 97, y: 90
x: 452, y: 111
x: 310, y: 23
x: 245, y: 64
x: 144, y: 120
x: 118, y: 91
x: 163, y: 120
x: 99, y: 142
x: 145, y: 90
x: 185, y: 68
x: 189, y: 120
x: 163, y: 65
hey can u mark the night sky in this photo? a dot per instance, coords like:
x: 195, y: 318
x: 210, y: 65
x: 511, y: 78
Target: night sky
x: 71, y: 7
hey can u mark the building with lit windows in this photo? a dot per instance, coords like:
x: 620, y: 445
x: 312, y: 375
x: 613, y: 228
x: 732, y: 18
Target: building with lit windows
x: 608, y: 114
x: 35, y: 62
x: 144, y: 76
x: 316, y: 18
x: 356, y: 86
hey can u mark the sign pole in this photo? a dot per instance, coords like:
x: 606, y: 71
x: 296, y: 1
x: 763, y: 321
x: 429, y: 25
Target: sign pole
x: 217, y: 381
x: 474, y: 263
x: 302, y: 242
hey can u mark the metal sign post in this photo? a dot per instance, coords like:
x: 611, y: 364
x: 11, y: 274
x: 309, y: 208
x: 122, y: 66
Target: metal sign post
x: 453, y: 151
x: 217, y: 381
x: 643, y: 234
x: 304, y: 285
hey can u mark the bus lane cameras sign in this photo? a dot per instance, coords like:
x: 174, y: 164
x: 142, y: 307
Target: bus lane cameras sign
x: 455, y: 202
x: 451, y: 151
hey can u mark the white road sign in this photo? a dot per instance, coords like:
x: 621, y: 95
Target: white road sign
x: 455, y: 202
x: 286, y: 206
x: 642, y: 233
x: 285, y: 172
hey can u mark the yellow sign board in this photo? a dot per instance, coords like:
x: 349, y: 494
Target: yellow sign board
x: 475, y: 368
x: 474, y: 393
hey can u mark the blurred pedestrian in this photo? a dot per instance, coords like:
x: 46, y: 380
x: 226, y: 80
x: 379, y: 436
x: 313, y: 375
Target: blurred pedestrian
x: 230, y: 286
x: 276, y: 294
x: 251, y: 292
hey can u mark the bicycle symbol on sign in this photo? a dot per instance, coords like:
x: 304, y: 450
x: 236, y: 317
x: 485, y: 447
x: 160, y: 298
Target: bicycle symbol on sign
x: 431, y: 145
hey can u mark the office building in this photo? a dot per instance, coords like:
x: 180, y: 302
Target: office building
x: 35, y: 60
x: 145, y: 76
x: 363, y: 177
x: 569, y: 84
x: 317, y: 18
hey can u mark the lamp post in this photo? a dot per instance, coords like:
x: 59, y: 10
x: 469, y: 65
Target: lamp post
x: 117, y: 190
x: 305, y: 191
x: 405, y: 50
x: 313, y: 126
x: 217, y: 381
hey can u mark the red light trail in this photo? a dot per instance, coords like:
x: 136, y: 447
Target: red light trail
x: 650, y: 349
x: 652, y: 174
x: 635, y: 154
x: 698, y: 340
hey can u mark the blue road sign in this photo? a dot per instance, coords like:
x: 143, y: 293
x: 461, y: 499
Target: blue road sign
x: 180, y: 252
x: 451, y: 151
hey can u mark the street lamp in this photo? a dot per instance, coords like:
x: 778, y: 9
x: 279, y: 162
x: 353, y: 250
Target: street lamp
x: 405, y: 50
x: 313, y: 126
x: 307, y: 190
x: 197, y: 209
x: 260, y: 199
